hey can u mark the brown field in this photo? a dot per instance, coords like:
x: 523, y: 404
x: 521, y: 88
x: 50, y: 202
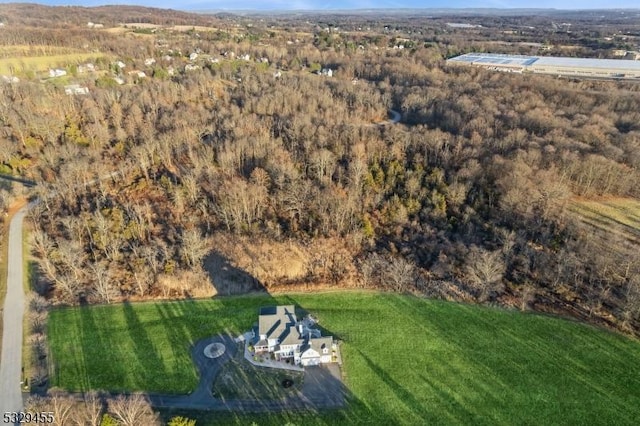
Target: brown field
x: 20, y: 51
x: 183, y: 28
x: 614, y: 221
x: 140, y: 25
x: 43, y: 63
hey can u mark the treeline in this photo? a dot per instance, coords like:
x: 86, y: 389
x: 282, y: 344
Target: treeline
x: 36, y: 15
x: 465, y: 199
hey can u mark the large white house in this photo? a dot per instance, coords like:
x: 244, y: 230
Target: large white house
x: 279, y: 332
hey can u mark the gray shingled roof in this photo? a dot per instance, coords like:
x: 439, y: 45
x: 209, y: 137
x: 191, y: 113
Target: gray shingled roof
x: 319, y: 343
x: 279, y: 322
x: 290, y: 337
x: 274, y: 323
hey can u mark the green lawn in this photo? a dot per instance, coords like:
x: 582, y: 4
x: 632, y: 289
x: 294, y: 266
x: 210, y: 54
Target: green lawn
x: 407, y: 360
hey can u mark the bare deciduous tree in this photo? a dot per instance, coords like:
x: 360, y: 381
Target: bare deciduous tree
x: 105, y: 289
x: 90, y: 413
x: 133, y: 410
x: 484, y: 270
x: 194, y: 247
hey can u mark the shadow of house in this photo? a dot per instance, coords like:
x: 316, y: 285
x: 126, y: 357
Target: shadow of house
x: 228, y: 279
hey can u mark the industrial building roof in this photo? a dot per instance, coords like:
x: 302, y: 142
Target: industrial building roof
x: 498, y: 59
x: 495, y: 59
x: 588, y: 63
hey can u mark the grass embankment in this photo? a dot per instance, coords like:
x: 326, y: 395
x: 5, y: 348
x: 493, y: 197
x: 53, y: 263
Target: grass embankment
x: 610, y: 220
x: 407, y: 360
x: 29, y: 271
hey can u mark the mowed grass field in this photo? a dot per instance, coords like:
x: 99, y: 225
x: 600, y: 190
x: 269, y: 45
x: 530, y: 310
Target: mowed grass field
x: 406, y: 360
x: 610, y: 220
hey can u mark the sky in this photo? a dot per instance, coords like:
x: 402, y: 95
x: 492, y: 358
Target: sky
x: 351, y: 4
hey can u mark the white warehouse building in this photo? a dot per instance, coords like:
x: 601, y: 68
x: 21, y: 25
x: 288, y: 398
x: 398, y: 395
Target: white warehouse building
x: 564, y: 66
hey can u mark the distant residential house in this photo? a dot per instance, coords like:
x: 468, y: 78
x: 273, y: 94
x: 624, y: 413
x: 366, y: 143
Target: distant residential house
x: 76, y: 89
x: 327, y: 72
x: 57, y: 72
x: 277, y: 74
x: 120, y: 64
x: 88, y: 67
x: 191, y: 67
x: 193, y: 56
x: 279, y: 332
x: 149, y: 62
x: 94, y: 25
x: 138, y: 73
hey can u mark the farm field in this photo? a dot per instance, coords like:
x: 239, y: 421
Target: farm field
x: 407, y: 360
x: 18, y: 64
x: 610, y: 220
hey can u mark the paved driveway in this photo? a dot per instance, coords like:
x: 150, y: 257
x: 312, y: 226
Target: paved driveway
x: 322, y: 387
x: 11, y: 360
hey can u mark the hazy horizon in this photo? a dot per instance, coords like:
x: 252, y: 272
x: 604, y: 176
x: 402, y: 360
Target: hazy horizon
x: 348, y: 4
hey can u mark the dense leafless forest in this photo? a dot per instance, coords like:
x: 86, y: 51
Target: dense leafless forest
x: 242, y: 167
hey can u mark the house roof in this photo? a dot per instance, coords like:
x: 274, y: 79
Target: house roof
x: 261, y: 343
x: 310, y: 353
x: 320, y: 343
x: 277, y: 322
x: 291, y: 336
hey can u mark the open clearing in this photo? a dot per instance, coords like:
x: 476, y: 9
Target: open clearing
x: 23, y: 50
x: 20, y: 64
x: 612, y: 221
x: 407, y: 360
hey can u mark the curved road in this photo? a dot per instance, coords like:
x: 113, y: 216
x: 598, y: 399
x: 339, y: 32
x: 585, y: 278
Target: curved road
x: 11, y: 360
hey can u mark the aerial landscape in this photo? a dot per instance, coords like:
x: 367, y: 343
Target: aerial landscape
x: 313, y: 213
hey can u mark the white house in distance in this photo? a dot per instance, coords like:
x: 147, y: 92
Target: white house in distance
x: 57, y: 72
x: 279, y: 332
x: 76, y: 89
